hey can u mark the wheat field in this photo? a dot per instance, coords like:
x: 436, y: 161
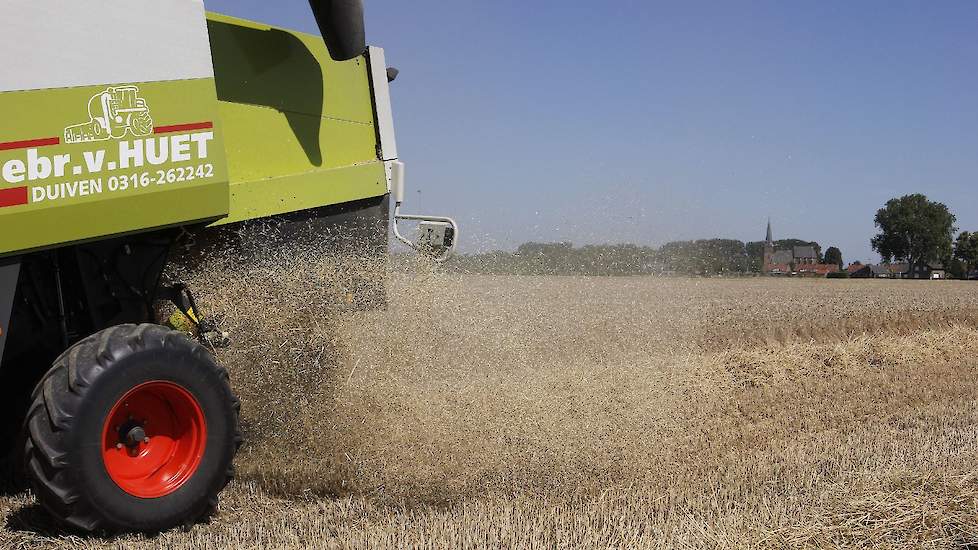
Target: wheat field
x: 564, y: 412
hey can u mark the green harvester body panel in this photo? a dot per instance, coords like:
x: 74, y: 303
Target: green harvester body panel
x: 280, y: 128
x: 62, y: 185
x: 299, y: 127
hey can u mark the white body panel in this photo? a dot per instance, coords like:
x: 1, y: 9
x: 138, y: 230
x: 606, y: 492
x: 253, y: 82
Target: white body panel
x: 382, y: 101
x: 60, y: 44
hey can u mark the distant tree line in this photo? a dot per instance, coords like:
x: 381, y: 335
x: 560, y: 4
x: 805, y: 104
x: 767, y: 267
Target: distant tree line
x: 707, y: 257
x: 912, y: 229
x: 561, y: 259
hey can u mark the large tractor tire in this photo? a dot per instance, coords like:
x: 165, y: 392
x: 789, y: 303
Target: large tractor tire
x: 133, y: 429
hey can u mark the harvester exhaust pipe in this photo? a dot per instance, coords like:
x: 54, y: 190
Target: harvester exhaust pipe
x: 341, y: 24
x: 437, y: 235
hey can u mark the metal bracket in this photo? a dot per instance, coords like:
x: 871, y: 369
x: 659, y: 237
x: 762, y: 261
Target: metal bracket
x: 431, y: 228
x: 204, y: 328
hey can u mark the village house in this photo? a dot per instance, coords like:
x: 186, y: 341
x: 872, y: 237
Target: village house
x: 933, y: 270
x: 855, y: 267
x: 870, y: 271
x: 896, y: 271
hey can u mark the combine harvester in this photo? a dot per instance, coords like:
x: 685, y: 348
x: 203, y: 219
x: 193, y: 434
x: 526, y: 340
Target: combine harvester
x: 128, y: 127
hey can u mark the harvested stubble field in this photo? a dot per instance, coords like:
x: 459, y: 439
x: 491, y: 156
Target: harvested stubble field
x: 588, y: 412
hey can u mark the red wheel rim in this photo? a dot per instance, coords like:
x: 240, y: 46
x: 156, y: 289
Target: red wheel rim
x: 153, y: 439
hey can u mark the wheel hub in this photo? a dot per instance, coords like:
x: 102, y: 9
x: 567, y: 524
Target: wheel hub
x: 135, y: 436
x: 153, y: 440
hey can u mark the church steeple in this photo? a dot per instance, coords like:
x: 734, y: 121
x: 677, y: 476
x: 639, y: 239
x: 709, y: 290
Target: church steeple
x: 767, y: 262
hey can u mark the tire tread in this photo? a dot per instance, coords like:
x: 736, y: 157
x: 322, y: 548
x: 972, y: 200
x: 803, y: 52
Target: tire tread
x: 58, y: 396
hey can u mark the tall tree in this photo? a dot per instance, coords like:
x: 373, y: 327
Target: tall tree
x: 966, y: 251
x: 833, y: 256
x: 914, y: 229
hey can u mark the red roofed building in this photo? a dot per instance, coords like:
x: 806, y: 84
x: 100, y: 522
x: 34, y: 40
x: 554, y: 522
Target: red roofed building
x: 817, y: 270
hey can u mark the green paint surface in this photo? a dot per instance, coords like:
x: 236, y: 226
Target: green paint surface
x: 117, y: 201
x: 292, y: 129
x: 299, y: 127
x: 279, y: 196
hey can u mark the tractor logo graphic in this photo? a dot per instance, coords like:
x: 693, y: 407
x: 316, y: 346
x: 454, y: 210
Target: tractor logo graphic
x: 113, y: 112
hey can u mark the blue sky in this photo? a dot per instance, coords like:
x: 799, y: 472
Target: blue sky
x: 644, y: 122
